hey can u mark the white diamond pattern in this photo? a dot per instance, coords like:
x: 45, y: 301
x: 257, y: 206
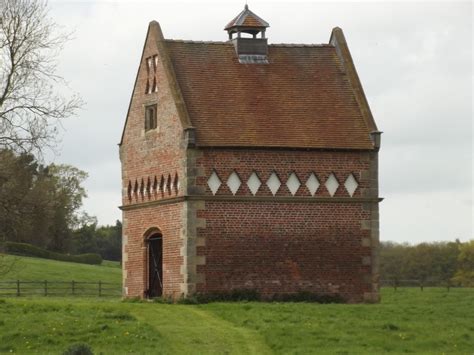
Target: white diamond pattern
x: 351, y: 184
x: 332, y: 184
x: 273, y: 183
x: 234, y: 182
x: 293, y: 183
x: 214, y: 182
x: 312, y: 184
x: 254, y: 183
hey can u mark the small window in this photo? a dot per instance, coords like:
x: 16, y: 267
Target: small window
x: 150, y: 117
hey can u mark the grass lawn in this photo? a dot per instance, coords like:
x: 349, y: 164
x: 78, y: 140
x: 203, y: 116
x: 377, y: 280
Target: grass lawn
x: 409, y: 320
x: 37, y: 269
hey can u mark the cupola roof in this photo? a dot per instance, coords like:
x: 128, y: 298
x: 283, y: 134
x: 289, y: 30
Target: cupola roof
x: 247, y: 22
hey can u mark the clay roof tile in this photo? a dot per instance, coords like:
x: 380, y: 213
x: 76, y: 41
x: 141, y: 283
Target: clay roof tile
x: 301, y: 99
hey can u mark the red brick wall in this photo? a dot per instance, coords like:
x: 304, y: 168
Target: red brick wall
x: 274, y: 244
x: 137, y: 222
x: 283, y: 163
x: 157, y: 152
x: 147, y: 155
x: 286, y: 247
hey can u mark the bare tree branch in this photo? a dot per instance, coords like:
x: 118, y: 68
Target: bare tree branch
x: 31, y: 104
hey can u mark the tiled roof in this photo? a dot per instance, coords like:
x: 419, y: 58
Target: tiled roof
x: 247, y: 19
x: 301, y: 99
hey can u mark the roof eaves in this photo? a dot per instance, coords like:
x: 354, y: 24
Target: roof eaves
x: 284, y: 147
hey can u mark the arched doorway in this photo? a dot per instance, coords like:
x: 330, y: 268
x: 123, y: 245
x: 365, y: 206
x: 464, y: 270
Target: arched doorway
x: 155, y: 265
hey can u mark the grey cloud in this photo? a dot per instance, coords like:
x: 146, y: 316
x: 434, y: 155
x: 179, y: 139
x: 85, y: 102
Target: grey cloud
x: 414, y: 61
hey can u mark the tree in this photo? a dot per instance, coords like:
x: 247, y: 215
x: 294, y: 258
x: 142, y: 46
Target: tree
x: 430, y: 263
x: 105, y: 240
x: 32, y: 98
x: 39, y: 204
x: 68, y: 196
x: 17, y: 176
x: 109, y: 241
x: 465, y: 273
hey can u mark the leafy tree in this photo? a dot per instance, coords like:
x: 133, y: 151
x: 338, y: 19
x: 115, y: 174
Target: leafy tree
x: 17, y: 176
x: 391, y: 255
x: 32, y: 95
x: 109, y: 241
x: 68, y: 196
x: 85, y: 238
x: 431, y: 263
x: 39, y: 204
x: 105, y: 240
x: 465, y: 274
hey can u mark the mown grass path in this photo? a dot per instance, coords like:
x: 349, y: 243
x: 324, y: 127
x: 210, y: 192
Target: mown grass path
x: 190, y: 327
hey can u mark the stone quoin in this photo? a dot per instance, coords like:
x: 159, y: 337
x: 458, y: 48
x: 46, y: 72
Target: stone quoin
x: 249, y: 166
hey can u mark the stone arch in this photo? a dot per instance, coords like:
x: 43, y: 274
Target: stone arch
x: 150, y: 232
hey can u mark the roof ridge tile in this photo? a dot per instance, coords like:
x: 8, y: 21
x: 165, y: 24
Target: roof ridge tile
x: 299, y: 45
x: 195, y: 42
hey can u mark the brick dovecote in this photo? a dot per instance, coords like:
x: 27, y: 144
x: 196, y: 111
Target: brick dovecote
x: 240, y: 201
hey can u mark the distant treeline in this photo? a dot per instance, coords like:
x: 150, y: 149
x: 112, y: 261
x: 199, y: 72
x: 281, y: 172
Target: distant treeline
x: 41, y: 205
x: 103, y: 240
x: 431, y: 263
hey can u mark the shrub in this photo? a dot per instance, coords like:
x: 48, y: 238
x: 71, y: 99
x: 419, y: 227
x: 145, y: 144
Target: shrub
x: 79, y: 349
x: 25, y: 249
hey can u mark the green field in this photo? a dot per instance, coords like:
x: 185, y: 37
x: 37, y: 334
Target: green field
x: 36, y: 269
x: 433, y: 321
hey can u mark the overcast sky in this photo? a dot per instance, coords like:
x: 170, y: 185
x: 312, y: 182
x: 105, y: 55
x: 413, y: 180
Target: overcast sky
x: 414, y: 61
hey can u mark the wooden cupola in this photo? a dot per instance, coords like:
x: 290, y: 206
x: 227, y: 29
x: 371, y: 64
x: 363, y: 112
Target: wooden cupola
x: 249, y: 49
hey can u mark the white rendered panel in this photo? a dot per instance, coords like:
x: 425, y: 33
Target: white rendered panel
x: 351, y: 184
x: 293, y: 183
x: 214, y: 182
x: 332, y: 184
x: 254, y: 183
x: 312, y: 184
x: 273, y: 183
x: 234, y: 182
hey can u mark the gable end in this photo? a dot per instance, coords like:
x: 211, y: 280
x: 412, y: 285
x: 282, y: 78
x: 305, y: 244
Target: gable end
x: 154, y: 27
x: 339, y: 42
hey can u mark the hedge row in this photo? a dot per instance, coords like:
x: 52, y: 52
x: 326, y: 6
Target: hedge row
x: 31, y: 250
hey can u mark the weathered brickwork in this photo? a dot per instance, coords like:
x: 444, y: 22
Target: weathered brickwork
x: 138, y: 223
x: 297, y: 233
x: 144, y: 156
x: 283, y: 163
x: 287, y: 246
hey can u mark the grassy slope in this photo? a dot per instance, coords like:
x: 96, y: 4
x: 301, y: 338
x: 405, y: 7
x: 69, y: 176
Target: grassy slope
x: 433, y: 321
x: 36, y: 269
